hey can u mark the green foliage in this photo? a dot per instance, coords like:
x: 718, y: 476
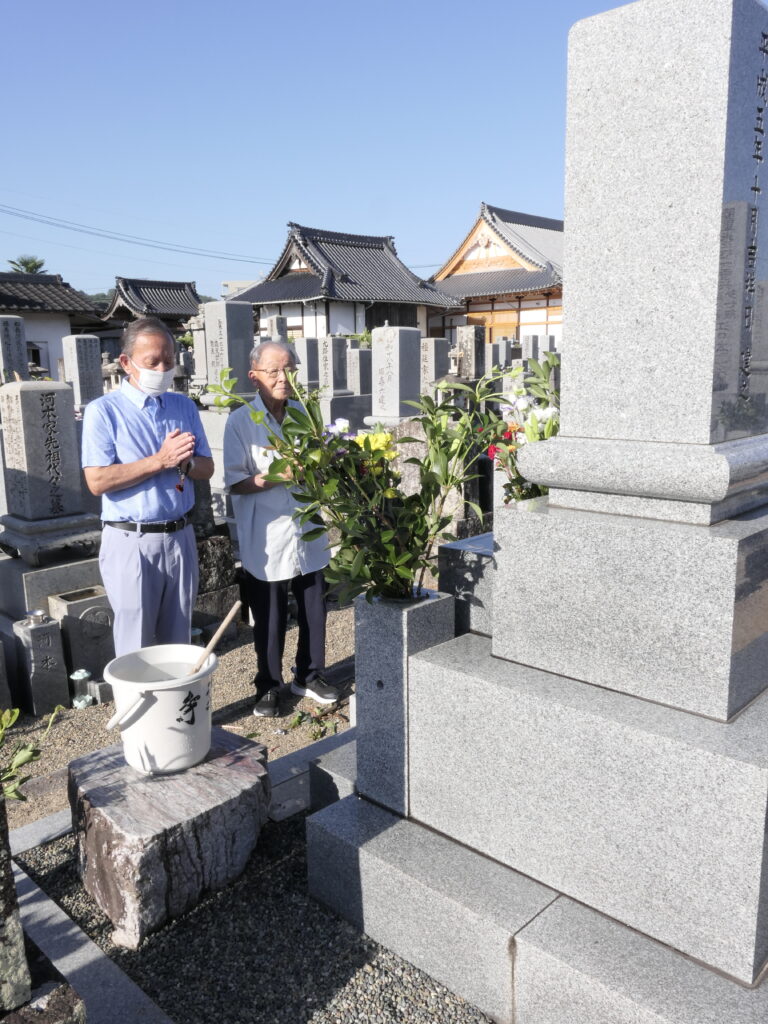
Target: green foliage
x: 351, y: 485
x: 28, y: 265
x: 364, y: 337
x: 19, y: 756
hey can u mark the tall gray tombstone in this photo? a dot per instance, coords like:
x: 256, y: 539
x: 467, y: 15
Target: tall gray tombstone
x: 277, y: 328
x: 434, y: 362
x: 332, y: 363
x: 82, y: 366
x: 13, y: 349
x: 41, y: 468
x: 359, y: 370
x: 654, y: 581
x: 627, y: 773
x: 471, y: 345
x: 226, y: 341
x: 396, y: 359
x: 307, y: 368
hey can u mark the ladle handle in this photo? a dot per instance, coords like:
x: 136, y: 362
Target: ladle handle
x: 216, y: 636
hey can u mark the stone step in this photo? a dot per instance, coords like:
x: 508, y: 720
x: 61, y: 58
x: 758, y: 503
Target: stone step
x: 444, y: 908
x: 575, y: 966
x: 652, y: 816
x: 334, y: 775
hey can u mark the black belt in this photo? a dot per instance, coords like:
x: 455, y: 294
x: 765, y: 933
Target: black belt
x: 170, y: 527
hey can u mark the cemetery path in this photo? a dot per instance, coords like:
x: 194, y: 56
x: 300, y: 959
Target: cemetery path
x: 77, y: 733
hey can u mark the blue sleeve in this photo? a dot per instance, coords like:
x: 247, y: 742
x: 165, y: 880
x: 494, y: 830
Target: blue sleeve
x: 98, y: 436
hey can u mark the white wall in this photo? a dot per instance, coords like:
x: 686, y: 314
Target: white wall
x: 46, y: 331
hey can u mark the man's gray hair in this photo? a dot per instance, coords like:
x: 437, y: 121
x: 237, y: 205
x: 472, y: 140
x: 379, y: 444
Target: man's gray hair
x: 145, y: 325
x: 261, y: 347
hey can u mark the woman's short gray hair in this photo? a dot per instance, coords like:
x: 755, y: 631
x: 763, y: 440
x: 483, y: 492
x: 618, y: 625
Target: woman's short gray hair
x: 261, y: 347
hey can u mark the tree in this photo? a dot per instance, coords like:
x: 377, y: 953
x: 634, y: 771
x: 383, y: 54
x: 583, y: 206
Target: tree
x: 28, y: 265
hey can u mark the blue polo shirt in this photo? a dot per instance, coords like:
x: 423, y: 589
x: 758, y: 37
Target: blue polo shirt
x: 126, y: 425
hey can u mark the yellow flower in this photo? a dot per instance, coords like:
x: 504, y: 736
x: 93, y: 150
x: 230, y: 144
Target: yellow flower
x: 377, y: 442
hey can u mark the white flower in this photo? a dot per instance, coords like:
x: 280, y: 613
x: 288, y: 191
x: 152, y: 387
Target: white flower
x: 547, y: 412
x: 341, y: 425
x: 522, y: 403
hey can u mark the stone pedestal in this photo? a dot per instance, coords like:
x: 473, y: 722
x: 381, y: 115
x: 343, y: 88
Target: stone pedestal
x: 150, y: 847
x: 86, y: 620
x: 41, y: 681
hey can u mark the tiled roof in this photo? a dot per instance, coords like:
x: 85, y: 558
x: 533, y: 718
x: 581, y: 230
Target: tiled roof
x: 499, y: 282
x: 173, y: 300
x: 41, y: 293
x: 537, y: 239
x: 347, y: 268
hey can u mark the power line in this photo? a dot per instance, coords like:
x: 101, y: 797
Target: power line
x: 117, y: 236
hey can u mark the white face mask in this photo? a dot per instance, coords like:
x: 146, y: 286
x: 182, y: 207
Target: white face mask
x: 154, y: 382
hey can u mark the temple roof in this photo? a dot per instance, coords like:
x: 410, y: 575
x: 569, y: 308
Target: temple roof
x: 317, y: 265
x: 170, y: 300
x: 536, y: 242
x: 41, y: 293
x: 498, y: 282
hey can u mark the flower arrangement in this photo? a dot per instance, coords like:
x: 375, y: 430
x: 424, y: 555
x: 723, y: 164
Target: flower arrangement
x: 529, y: 411
x: 350, y: 484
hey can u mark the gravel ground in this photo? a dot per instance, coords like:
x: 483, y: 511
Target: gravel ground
x: 261, y: 951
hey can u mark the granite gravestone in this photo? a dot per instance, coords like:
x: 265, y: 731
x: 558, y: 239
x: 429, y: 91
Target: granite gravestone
x: 396, y: 372
x: 434, y: 362
x: 307, y: 368
x: 359, y: 370
x: 470, y: 341
x: 42, y: 473
x: 332, y: 364
x: 629, y: 667
x: 42, y: 683
x: 277, y: 328
x: 82, y: 367
x: 226, y: 341
x: 13, y: 349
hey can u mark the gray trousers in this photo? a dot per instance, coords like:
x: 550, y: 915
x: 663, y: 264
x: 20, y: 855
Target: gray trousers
x: 151, y: 582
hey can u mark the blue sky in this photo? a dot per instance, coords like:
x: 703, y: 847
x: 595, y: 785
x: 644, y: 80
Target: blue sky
x: 211, y: 125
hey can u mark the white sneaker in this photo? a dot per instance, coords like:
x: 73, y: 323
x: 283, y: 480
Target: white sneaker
x: 317, y: 689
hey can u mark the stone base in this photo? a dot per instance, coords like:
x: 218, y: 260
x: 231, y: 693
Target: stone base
x: 43, y: 541
x: 652, y: 816
x: 466, y: 569
x: 665, y: 611
x: 574, y: 966
x: 86, y: 619
x: 456, y: 912
x: 334, y: 775
x: 150, y: 847
x: 23, y: 588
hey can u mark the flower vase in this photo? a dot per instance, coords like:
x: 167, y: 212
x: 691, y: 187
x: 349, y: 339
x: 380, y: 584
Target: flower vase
x: 387, y: 633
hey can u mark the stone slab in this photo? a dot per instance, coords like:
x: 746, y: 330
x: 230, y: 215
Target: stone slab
x: 41, y: 682
x: 5, y: 690
x: 574, y: 966
x: 665, y: 611
x: 386, y: 633
x: 24, y: 588
x: 110, y: 996
x: 333, y: 776
x: 653, y: 816
x: 457, y: 912
x: 150, y: 847
x: 289, y: 775
x: 466, y: 570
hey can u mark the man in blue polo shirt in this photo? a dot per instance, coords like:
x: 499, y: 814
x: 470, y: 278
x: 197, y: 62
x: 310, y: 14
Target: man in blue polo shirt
x: 142, y: 447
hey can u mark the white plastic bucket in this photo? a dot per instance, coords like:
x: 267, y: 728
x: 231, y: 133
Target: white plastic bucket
x: 164, y: 713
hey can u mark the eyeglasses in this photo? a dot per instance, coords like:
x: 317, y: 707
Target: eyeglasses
x: 274, y: 374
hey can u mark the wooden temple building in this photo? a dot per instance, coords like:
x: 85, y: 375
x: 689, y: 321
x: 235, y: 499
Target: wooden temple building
x: 327, y: 282
x: 505, y: 275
